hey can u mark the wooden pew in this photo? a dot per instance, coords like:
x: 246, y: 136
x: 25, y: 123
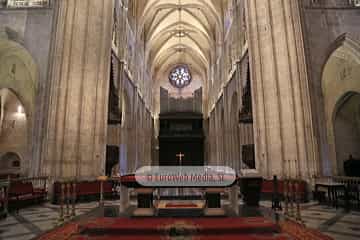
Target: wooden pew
x: 25, y: 191
x: 87, y: 190
x: 4, y: 186
x: 267, y: 189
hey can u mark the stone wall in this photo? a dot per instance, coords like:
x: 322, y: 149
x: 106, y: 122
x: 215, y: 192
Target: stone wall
x: 28, y: 33
x: 326, y: 26
x: 226, y: 134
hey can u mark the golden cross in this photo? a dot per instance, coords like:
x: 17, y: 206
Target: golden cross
x: 180, y: 155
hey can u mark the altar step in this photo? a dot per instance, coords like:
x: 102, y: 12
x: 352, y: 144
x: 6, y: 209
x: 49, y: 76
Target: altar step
x: 188, y: 226
x: 180, y: 208
x: 229, y: 228
x: 176, y: 197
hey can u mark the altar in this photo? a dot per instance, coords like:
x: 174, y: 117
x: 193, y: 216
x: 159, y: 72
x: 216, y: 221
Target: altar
x: 148, y: 203
x: 207, y: 200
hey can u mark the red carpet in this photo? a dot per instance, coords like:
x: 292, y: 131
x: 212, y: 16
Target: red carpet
x: 204, y: 237
x: 299, y: 232
x: 181, y: 228
x: 62, y: 233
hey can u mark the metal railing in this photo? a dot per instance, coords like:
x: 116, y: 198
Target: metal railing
x: 292, y: 199
x: 349, y: 193
x: 67, y: 200
x: 347, y: 180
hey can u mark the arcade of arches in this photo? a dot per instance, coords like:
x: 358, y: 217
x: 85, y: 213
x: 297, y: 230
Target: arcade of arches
x: 87, y: 88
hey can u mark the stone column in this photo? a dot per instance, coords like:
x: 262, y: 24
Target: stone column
x: 214, y: 152
x: 229, y: 149
x: 148, y: 142
x: 218, y: 133
x: 234, y: 198
x: 228, y: 141
x: 79, y: 75
x: 131, y: 147
x: 143, y: 136
x: 126, y: 163
x: 124, y: 199
x: 282, y: 124
x: 138, y: 128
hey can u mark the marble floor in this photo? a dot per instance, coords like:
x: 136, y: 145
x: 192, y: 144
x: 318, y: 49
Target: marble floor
x: 336, y: 223
x: 32, y: 221
x: 35, y: 220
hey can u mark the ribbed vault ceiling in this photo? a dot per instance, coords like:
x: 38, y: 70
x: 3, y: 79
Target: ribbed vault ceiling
x: 180, y: 32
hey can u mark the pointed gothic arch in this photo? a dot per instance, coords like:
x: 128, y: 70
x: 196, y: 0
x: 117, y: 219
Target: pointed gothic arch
x: 18, y: 78
x: 340, y: 88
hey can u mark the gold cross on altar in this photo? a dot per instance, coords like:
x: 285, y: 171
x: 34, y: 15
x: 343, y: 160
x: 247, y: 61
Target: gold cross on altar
x: 180, y: 155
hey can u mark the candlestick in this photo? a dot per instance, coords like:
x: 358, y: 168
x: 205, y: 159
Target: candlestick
x: 291, y: 192
x: 298, y: 208
x: 286, y: 193
x: 73, y: 213
x: 68, y: 199
x: 62, y: 193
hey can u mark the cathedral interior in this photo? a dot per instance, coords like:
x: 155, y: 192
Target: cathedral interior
x: 93, y: 92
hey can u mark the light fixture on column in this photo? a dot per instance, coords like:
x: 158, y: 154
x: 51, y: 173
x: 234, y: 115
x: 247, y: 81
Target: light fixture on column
x: 20, y: 109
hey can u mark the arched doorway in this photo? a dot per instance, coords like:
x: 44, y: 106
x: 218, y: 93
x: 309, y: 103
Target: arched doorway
x: 340, y: 89
x: 347, y: 129
x: 13, y: 131
x: 18, y: 79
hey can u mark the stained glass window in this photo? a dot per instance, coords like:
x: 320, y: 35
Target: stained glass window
x: 180, y: 76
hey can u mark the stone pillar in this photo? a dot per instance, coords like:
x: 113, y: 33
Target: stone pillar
x: 131, y: 147
x: 137, y: 126
x: 280, y: 94
x: 124, y: 199
x: 79, y: 75
x: 143, y: 137
x: 214, y: 147
x: 218, y: 135
x: 148, y: 142
x: 234, y: 198
x: 227, y: 131
x: 229, y: 146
